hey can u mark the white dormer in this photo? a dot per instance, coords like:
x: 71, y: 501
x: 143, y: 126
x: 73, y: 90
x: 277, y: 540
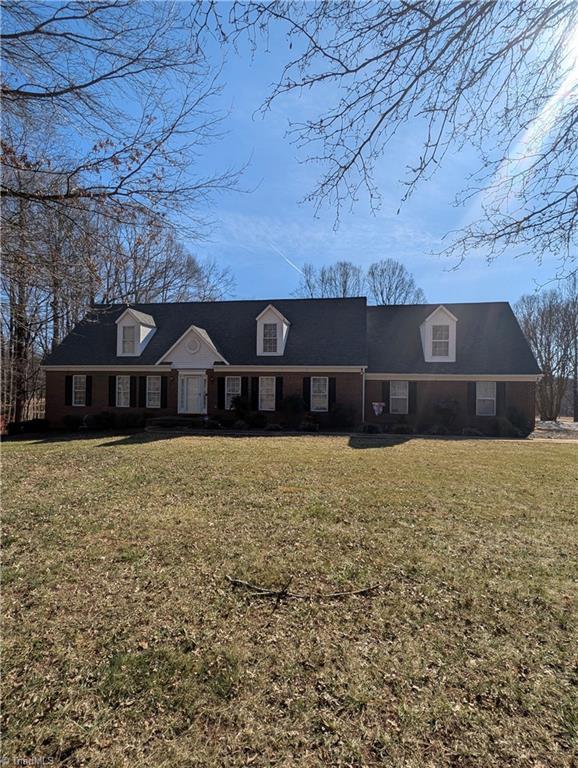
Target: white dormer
x: 438, y: 336
x: 272, y: 332
x: 134, y: 330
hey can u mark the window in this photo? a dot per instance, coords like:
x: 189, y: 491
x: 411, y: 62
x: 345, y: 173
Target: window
x: 232, y: 390
x: 440, y: 345
x: 128, y: 339
x: 79, y: 390
x: 398, y: 396
x: 270, y: 337
x: 266, y: 393
x: 319, y: 393
x: 153, y: 391
x: 485, y: 398
x: 122, y: 391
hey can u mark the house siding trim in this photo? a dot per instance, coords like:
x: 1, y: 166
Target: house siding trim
x: 452, y: 377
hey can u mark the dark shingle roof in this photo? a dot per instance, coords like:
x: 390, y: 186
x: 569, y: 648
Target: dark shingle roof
x: 488, y: 340
x: 322, y: 332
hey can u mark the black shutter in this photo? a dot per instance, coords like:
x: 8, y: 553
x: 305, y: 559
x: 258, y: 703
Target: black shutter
x: 307, y: 392
x: 412, y: 396
x: 221, y: 393
x: 332, y: 388
x: 163, y: 391
x: 112, y: 390
x: 472, y: 398
x: 278, y: 392
x: 142, y: 391
x: 500, y: 398
x: 254, y: 393
x: 68, y: 390
x: 133, y: 398
x: 385, y: 396
x: 88, y: 395
x: 244, y: 387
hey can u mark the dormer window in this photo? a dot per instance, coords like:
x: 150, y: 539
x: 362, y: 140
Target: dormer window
x: 270, y: 338
x: 134, y: 331
x: 128, y: 339
x: 439, y: 336
x: 272, y: 331
x: 440, y: 344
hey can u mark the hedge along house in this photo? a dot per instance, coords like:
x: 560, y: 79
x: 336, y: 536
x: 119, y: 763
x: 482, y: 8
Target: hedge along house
x: 459, y: 365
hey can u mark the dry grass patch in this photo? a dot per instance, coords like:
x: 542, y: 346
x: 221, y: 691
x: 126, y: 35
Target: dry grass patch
x: 125, y: 646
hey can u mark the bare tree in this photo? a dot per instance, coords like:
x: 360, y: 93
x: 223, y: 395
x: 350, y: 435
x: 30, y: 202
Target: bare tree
x: 130, y: 80
x: 571, y: 294
x: 106, y: 106
x: 340, y: 280
x: 389, y: 282
x: 498, y: 75
x: 547, y: 322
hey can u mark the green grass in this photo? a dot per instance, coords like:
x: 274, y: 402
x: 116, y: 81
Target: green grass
x: 124, y: 645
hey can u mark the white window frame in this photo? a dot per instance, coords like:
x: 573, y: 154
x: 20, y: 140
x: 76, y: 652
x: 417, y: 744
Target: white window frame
x: 263, y: 396
x: 323, y: 406
x: 485, y: 397
x: 79, y: 378
x: 402, y: 400
x: 155, y: 392
x: 122, y: 392
x: 123, y: 341
x: 229, y: 396
x: 445, y: 340
x: 266, y: 339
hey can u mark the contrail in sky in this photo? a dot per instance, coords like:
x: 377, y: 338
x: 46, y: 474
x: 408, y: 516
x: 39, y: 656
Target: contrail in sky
x: 291, y: 263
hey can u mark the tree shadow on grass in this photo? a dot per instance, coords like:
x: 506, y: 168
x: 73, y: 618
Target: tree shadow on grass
x: 361, y: 442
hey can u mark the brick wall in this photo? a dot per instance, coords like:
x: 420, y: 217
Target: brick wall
x: 518, y: 396
x: 348, y: 393
x: 56, y: 408
x: 429, y: 395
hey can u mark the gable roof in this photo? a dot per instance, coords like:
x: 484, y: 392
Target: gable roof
x: 323, y: 332
x: 202, y: 335
x: 140, y: 317
x: 488, y: 340
x: 275, y: 311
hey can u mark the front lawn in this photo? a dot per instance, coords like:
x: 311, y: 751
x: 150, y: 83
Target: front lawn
x: 125, y: 645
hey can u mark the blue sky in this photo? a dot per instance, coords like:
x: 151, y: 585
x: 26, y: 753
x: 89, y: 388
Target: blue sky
x: 257, y: 232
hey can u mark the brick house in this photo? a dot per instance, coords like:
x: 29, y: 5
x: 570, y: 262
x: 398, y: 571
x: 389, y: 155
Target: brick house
x: 462, y: 365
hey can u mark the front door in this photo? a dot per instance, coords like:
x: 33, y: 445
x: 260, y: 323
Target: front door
x: 192, y: 393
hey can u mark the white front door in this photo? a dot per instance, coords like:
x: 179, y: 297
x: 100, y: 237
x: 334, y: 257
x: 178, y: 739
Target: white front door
x: 192, y: 393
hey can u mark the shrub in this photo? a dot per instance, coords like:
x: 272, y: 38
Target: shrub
x: 241, y: 425
x: 228, y: 422
x: 447, y: 411
x: 241, y: 407
x: 370, y: 429
x: 520, y: 422
x: 273, y: 428
x: 212, y: 424
x: 104, y: 420
x: 471, y: 432
x: 72, y: 422
x: 258, y: 420
x: 32, y: 425
x: 308, y: 425
x: 341, y: 416
x: 293, y: 406
x: 504, y: 428
x: 402, y: 429
x: 130, y: 420
x: 437, y: 429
